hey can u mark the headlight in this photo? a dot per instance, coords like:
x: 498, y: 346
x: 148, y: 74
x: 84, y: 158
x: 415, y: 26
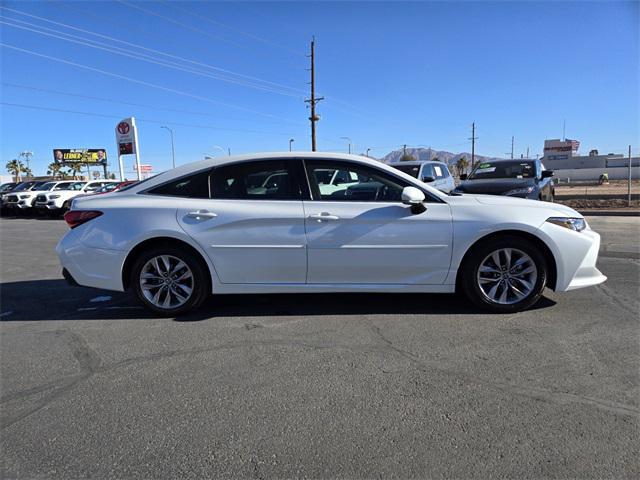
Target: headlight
x: 576, y: 224
x: 51, y: 197
x: 25, y: 196
x: 520, y: 191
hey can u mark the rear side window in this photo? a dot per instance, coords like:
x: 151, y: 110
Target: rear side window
x: 192, y: 186
x: 260, y: 180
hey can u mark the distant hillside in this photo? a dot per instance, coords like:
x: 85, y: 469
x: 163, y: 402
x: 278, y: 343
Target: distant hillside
x: 425, y: 154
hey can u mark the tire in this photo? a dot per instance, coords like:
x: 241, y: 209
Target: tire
x: 524, y: 280
x: 198, y: 284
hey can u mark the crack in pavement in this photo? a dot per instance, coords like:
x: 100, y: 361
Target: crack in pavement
x: 535, y: 393
x: 90, y: 364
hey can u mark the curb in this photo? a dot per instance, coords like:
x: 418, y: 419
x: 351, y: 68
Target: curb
x: 610, y: 213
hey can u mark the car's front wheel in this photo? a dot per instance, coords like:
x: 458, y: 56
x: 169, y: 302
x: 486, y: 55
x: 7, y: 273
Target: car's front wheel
x: 170, y: 281
x: 505, y: 274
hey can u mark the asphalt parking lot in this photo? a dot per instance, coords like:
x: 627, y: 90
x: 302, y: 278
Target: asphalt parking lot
x: 319, y: 386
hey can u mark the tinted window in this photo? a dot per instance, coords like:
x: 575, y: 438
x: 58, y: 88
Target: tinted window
x: 362, y: 183
x: 504, y: 169
x: 192, y: 186
x: 412, y: 170
x: 261, y: 180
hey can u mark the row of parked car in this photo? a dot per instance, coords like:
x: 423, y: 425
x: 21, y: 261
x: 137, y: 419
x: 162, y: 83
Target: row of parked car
x: 52, y: 197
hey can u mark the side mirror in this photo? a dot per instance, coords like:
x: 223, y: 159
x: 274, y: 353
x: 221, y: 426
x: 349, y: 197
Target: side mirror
x: 428, y: 179
x: 547, y: 173
x: 463, y: 176
x: 412, y: 196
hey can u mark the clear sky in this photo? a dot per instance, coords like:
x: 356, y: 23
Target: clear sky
x: 233, y: 75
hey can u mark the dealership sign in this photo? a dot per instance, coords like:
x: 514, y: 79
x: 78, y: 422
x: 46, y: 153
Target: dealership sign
x: 143, y: 168
x: 127, y: 140
x: 89, y: 156
x: 126, y: 137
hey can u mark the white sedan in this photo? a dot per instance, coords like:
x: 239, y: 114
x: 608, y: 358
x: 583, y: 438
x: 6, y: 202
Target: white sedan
x: 218, y: 226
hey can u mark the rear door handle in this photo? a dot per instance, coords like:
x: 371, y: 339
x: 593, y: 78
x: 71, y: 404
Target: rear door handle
x: 202, y: 214
x: 323, y: 216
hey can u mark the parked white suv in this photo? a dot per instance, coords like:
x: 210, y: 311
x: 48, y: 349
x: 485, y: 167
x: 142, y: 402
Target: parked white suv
x: 25, y: 199
x: 436, y: 174
x: 59, y: 198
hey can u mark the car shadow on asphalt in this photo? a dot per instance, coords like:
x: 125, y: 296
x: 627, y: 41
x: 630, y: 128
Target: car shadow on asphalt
x: 54, y: 299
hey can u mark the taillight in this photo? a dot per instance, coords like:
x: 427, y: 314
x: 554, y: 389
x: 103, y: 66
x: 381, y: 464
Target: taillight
x: 78, y: 217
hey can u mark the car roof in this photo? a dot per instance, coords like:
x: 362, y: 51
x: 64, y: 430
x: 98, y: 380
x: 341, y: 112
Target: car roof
x: 219, y: 161
x: 417, y: 162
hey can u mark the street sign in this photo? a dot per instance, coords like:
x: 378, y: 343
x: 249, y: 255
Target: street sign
x: 143, y: 168
x: 127, y: 140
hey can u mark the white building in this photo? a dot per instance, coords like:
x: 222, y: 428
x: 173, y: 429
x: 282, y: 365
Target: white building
x: 561, y: 156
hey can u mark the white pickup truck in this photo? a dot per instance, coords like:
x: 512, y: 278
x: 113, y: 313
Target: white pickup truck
x: 58, y: 199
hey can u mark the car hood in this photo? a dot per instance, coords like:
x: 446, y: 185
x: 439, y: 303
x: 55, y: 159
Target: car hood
x: 501, y: 201
x: 495, y: 185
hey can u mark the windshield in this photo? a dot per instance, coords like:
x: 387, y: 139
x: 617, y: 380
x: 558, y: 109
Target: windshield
x: 24, y: 186
x: 503, y: 169
x: 47, y: 186
x: 107, y: 188
x: 70, y: 186
x: 412, y: 170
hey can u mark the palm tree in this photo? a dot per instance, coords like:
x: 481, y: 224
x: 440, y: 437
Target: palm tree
x: 54, y: 169
x: 15, y: 167
x: 461, y: 165
x: 75, y: 168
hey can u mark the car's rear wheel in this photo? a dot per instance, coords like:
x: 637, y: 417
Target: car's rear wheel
x: 170, y: 281
x: 505, y: 274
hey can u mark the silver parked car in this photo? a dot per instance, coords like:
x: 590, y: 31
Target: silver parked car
x: 436, y: 174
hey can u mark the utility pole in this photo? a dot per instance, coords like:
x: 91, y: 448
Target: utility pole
x: 629, y: 180
x: 313, y: 100
x: 527, y: 152
x: 291, y: 140
x: 473, y: 144
x: 27, y: 155
x: 404, y: 150
x: 512, y: 139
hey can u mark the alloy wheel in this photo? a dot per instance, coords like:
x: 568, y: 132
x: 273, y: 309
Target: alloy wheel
x: 507, y: 276
x: 166, y: 282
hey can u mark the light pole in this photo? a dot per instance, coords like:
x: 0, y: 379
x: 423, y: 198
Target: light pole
x: 291, y: 140
x: 173, y: 150
x: 222, y: 149
x: 368, y: 151
x: 349, y: 140
x: 27, y: 156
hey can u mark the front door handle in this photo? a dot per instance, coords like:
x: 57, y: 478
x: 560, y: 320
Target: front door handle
x: 202, y: 214
x: 323, y: 216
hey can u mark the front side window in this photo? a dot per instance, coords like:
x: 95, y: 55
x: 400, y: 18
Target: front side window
x: 359, y: 183
x: 191, y: 186
x: 259, y: 180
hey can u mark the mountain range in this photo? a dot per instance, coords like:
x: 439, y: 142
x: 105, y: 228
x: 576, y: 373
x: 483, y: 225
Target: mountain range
x: 425, y: 154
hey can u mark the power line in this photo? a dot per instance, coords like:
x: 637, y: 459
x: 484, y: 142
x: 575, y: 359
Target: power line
x: 246, y: 34
x: 140, y: 82
x: 249, y: 82
x: 152, y: 50
x: 135, y: 104
x: 176, y: 22
x: 144, y: 57
x: 148, y: 120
